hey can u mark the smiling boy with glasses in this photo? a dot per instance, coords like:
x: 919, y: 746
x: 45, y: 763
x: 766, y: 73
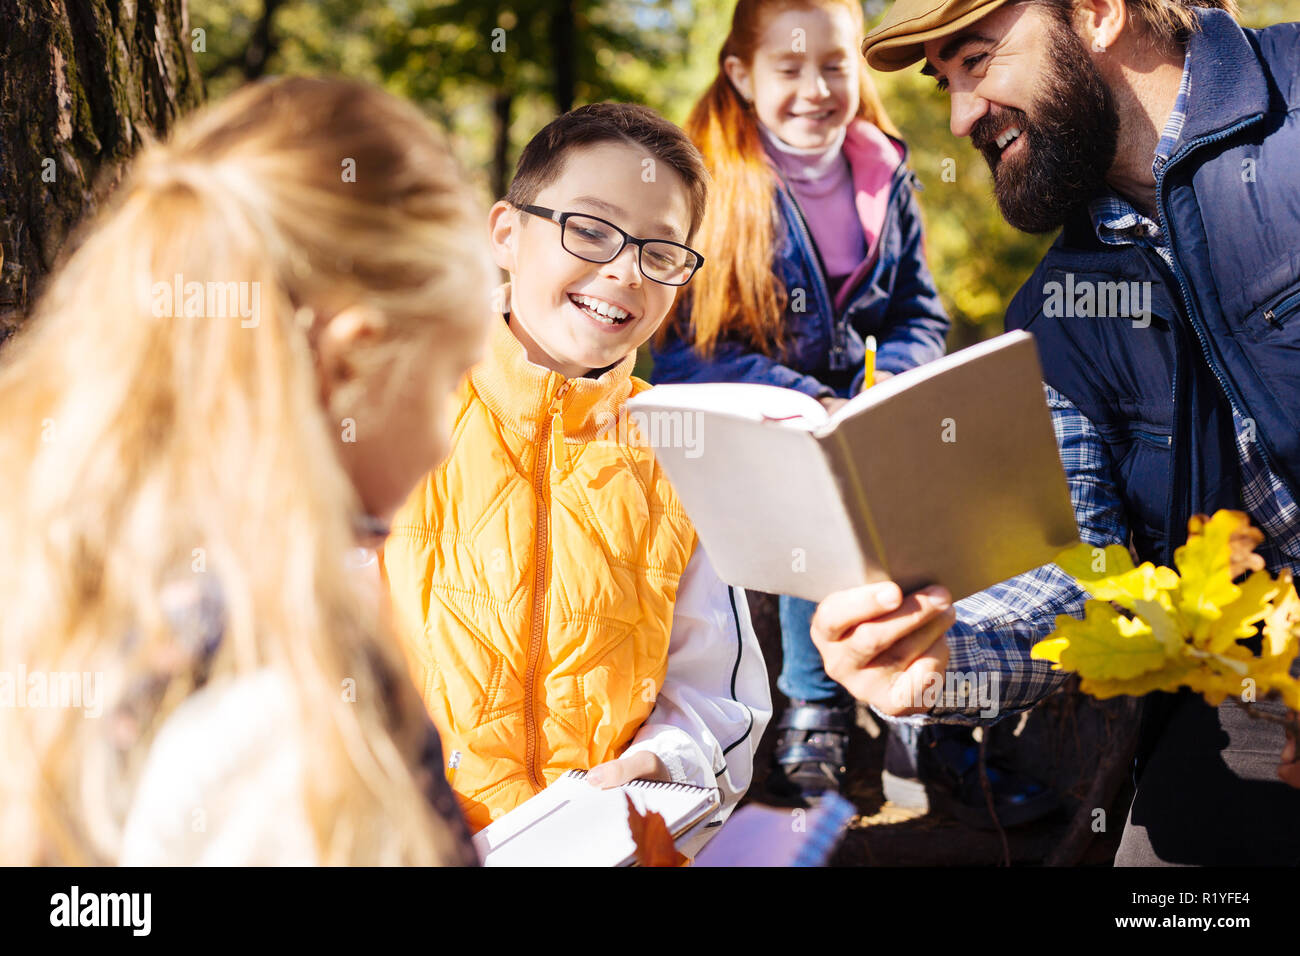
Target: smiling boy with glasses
x: 558, y: 611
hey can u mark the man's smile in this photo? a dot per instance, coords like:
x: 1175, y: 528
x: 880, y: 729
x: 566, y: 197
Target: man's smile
x: 1007, y: 137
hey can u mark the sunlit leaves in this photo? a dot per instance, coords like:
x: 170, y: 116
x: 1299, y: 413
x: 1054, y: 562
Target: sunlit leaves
x: 1152, y: 628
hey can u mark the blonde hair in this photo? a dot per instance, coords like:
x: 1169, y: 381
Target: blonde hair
x: 135, y: 442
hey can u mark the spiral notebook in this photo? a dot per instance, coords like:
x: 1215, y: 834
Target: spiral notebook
x: 572, y: 823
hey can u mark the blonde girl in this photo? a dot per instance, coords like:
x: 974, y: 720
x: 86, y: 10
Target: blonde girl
x: 230, y: 385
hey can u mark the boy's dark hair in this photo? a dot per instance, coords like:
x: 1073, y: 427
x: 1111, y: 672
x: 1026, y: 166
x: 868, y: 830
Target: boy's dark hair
x: 543, y: 158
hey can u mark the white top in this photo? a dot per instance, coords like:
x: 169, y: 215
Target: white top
x: 222, y: 783
x: 715, y: 701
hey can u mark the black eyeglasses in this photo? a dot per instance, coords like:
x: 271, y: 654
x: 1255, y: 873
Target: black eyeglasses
x: 597, y: 240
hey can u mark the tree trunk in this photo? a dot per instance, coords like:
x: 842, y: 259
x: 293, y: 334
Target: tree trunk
x: 563, y: 39
x: 502, y: 101
x: 82, y: 83
x: 262, y: 45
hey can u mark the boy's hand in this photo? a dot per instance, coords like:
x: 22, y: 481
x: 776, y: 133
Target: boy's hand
x: 883, y: 647
x: 1289, y: 768
x: 642, y: 765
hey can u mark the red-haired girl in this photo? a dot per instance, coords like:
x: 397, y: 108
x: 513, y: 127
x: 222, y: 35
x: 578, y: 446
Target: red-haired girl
x: 814, y: 243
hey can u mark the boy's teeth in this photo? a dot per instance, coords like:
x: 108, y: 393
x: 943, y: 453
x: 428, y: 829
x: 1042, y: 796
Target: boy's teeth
x: 606, y: 312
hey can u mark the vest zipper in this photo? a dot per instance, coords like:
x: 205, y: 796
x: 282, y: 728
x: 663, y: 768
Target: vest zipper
x: 821, y: 288
x: 821, y: 280
x: 1270, y: 315
x: 537, y: 630
x: 1151, y: 437
x: 1234, y: 400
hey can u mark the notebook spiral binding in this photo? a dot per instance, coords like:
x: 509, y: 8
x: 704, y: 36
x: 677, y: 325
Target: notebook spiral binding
x: 642, y: 784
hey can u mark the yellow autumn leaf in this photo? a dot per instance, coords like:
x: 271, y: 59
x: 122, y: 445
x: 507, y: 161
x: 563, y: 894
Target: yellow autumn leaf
x: 1281, y: 630
x: 1270, y: 677
x: 1219, y: 629
x: 1165, y: 624
x: 1086, y: 562
x: 1204, y: 566
x: 1288, y: 688
x: 1167, y: 677
x: 1104, y: 644
x: 1214, y: 685
x: 1282, y: 621
x: 1187, y: 626
x: 1108, y: 574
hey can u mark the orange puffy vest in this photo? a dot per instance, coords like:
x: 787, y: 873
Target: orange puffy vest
x: 533, y: 576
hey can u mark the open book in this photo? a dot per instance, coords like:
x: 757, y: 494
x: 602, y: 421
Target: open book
x: 572, y: 823
x: 947, y: 473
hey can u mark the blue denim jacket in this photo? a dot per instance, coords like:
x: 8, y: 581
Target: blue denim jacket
x: 892, y: 297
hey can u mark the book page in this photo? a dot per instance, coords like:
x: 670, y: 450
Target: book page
x: 914, y: 376
x: 740, y: 399
x: 959, y: 475
x: 766, y: 505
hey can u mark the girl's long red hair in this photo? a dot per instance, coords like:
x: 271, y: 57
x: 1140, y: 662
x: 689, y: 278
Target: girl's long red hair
x: 738, y: 293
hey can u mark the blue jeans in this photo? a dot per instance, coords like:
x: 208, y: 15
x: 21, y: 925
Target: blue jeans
x: 802, y: 675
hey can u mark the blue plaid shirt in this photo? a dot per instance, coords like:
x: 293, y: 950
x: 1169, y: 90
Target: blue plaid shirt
x: 996, y: 628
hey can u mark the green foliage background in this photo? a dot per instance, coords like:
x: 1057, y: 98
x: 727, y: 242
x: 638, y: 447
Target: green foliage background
x: 659, y: 52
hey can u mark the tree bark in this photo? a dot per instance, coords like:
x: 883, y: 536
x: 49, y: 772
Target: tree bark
x: 502, y: 101
x: 563, y: 42
x: 83, y: 83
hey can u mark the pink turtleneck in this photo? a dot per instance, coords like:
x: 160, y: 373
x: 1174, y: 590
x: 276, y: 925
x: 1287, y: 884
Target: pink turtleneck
x: 822, y: 182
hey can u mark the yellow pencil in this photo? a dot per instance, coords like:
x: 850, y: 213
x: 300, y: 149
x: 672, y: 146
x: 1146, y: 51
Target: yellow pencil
x: 452, y: 764
x: 869, y: 363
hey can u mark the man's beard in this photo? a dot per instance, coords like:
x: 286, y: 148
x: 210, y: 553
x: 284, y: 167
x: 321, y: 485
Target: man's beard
x: 1070, y: 138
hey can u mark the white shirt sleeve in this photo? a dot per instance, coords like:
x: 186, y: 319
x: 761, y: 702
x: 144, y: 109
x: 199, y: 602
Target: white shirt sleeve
x: 715, y: 701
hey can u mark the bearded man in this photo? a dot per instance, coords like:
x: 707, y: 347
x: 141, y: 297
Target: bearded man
x: 1164, y: 142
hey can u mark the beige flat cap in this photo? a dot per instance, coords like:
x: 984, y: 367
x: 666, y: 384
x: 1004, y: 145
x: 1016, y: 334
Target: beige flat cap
x: 900, y: 39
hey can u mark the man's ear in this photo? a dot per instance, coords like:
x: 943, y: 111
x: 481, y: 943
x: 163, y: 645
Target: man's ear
x: 1100, y: 23
x: 503, y: 234
x: 336, y: 340
x: 740, y: 78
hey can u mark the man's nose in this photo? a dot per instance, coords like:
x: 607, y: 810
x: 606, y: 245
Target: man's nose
x: 625, y: 267
x: 967, y: 109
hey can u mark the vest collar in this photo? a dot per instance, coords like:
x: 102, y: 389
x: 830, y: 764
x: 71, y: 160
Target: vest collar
x: 524, y: 396
x: 1228, y: 83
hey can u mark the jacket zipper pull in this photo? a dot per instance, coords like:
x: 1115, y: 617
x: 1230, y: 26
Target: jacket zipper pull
x: 559, y: 459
